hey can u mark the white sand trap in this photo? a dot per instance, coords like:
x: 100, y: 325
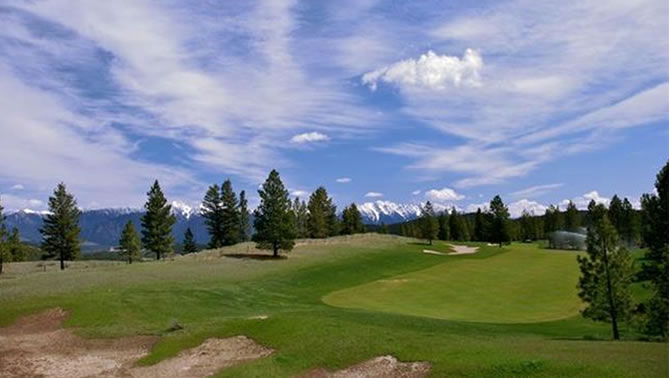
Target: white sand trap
x: 431, y: 252
x: 462, y: 249
x: 258, y: 317
x: 379, y: 367
x: 38, y: 346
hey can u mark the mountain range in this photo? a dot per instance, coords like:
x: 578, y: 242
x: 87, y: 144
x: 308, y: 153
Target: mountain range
x: 100, y: 228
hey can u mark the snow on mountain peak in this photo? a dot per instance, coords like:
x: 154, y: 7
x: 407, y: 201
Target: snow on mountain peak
x: 183, y: 209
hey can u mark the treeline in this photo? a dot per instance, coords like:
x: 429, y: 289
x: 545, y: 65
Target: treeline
x: 481, y: 225
x: 277, y: 221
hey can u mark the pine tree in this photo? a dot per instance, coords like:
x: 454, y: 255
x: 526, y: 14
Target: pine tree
x: 212, y: 212
x: 553, y: 219
x: 322, y: 218
x: 429, y: 225
x: 572, y: 221
x: 481, y: 226
x: 630, y: 224
x: 606, y: 274
x: 16, y: 249
x: 244, y: 217
x: 443, y: 224
x: 5, y: 255
x: 130, y: 246
x: 655, y: 267
x: 457, y: 228
x: 527, y: 224
x: 615, y: 213
x: 231, y: 221
x: 300, y: 215
x: 189, y: 245
x: 60, y: 231
x: 352, y: 222
x: 499, y: 230
x: 157, y: 223
x: 273, y: 219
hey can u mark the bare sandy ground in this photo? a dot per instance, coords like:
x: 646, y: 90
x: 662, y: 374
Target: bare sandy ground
x: 459, y: 250
x: 379, y: 367
x: 38, y: 345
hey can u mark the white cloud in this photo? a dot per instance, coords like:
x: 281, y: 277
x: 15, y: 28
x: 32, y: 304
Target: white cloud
x: 536, y: 190
x: 13, y: 203
x: 310, y: 137
x: 431, y: 71
x: 343, y: 180
x: 416, y: 192
x: 374, y: 194
x: 300, y: 193
x: 533, y: 207
x: 582, y: 202
x: 472, y: 208
x: 443, y: 195
x: 17, y: 187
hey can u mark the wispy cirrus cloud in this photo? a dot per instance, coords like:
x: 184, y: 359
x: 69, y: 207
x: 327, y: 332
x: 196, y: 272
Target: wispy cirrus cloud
x: 310, y: 137
x: 536, y: 190
x: 343, y: 180
x: 374, y: 195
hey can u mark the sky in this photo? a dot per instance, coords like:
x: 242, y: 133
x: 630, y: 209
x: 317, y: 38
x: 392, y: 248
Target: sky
x: 453, y: 102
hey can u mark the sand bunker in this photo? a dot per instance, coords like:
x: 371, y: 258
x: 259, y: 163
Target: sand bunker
x: 37, y: 345
x: 379, y: 367
x: 463, y: 249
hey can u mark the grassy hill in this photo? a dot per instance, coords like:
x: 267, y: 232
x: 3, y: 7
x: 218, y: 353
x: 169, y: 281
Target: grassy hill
x: 211, y: 295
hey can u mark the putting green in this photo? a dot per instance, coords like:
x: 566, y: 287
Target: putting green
x: 522, y: 285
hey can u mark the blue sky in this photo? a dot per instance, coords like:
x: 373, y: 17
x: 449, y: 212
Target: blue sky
x: 400, y: 100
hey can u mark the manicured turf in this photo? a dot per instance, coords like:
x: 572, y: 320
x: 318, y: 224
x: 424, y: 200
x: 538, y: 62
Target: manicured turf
x: 212, y: 296
x: 521, y: 285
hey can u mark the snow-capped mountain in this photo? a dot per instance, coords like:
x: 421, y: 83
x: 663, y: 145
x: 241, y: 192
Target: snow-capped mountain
x: 388, y: 212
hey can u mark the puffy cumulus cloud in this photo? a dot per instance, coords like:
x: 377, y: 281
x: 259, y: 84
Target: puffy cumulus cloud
x: 299, y: 193
x: 472, y: 208
x: 533, y: 207
x: 343, y: 180
x: 582, y: 202
x: 431, y: 71
x: 17, y: 187
x: 374, y: 194
x: 416, y: 192
x: 443, y: 195
x: 13, y: 203
x: 310, y: 138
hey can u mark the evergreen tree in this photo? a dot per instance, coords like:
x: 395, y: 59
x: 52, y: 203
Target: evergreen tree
x: 244, y: 217
x: 60, y: 231
x: 481, y: 226
x: 189, y: 245
x: 212, y: 212
x: 615, y: 213
x: 384, y: 229
x: 5, y: 255
x: 457, y: 227
x: 553, y: 219
x: 16, y: 249
x: 429, y: 225
x: 230, y: 224
x: 157, y: 223
x: 630, y: 224
x: 572, y: 221
x: 606, y: 274
x: 130, y: 245
x: 352, y: 222
x: 655, y: 267
x: 528, y: 226
x: 443, y: 224
x: 273, y: 219
x: 300, y: 215
x: 499, y: 230
x: 322, y: 218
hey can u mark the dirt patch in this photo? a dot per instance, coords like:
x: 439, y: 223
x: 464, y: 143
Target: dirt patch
x: 396, y: 281
x: 431, y: 252
x: 37, y: 345
x: 379, y: 367
x: 462, y: 249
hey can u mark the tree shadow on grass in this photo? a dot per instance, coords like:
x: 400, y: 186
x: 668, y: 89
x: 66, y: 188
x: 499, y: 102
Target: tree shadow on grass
x: 254, y: 256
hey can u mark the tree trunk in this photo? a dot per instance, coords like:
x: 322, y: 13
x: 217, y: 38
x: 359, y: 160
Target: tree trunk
x: 158, y: 255
x: 610, y: 296
x: 62, y: 261
x: 275, y: 249
x: 1, y: 264
x: 130, y: 260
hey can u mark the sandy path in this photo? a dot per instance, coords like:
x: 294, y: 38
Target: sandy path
x: 379, y: 367
x: 37, y: 345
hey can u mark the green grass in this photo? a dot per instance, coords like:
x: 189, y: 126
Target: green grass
x: 522, y: 284
x: 213, y: 296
